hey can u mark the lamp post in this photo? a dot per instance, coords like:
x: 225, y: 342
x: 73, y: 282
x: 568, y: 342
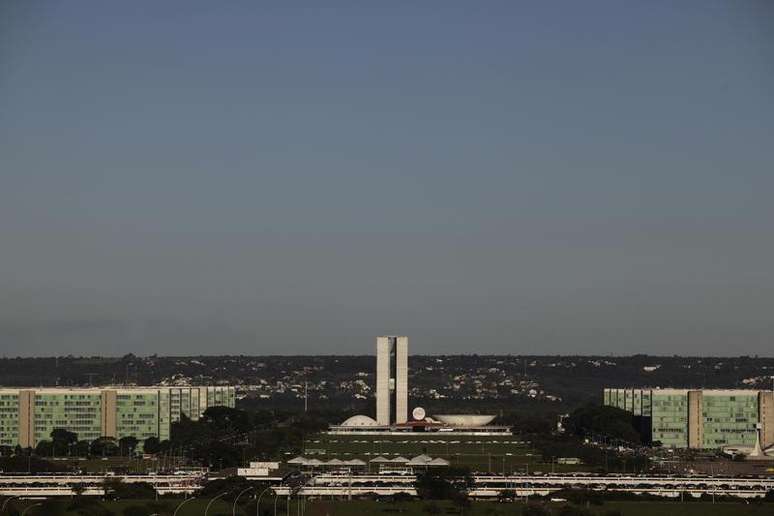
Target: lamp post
x: 221, y: 495
x: 258, y: 503
x: 233, y: 509
x: 5, y: 502
x: 276, y: 497
x: 181, y: 504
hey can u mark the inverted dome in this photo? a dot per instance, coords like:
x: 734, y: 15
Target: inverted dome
x: 360, y: 420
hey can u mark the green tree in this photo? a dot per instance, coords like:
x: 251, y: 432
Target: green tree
x: 151, y: 445
x: 81, y: 448
x: 127, y: 445
x: 226, y: 420
x: 104, y: 447
x: 444, y: 483
x: 608, y: 422
x: 44, y: 449
x: 63, y: 441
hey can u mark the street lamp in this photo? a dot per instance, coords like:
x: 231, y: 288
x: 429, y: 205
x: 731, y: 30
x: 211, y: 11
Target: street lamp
x: 276, y: 497
x: 5, y: 502
x: 233, y: 509
x: 181, y: 504
x: 258, y: 503
x: 221, y: 495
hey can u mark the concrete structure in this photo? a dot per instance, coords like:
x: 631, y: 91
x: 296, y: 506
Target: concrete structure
x: 466, y: 420
x: 391, y: 380
x: 40, y: 485
x: 359, y: 421
x: 766, y: 416
x: 29, y: 415
x: 700, y: 418
x: 259, y: 470
x: 392, y: 402
x: 492, y: 486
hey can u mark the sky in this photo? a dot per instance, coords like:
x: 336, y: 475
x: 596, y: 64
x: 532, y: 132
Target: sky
x: 547, y: 177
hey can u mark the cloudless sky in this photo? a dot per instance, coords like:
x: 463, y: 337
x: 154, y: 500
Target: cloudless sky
x: 495, y: 177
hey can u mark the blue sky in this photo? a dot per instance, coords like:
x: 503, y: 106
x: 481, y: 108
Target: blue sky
x: 497, y: 177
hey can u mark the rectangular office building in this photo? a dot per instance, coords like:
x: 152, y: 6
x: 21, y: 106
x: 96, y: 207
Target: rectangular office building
x: 700, y: 418
x: 29, y: 415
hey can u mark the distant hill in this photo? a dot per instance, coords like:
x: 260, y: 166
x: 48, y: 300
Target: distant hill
x: 459, y: 382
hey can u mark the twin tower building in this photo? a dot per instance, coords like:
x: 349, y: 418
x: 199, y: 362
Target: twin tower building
x: 391, y: 380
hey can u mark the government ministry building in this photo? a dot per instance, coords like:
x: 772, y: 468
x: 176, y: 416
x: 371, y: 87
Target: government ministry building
x: 28, y: 415
x: 699, y: 418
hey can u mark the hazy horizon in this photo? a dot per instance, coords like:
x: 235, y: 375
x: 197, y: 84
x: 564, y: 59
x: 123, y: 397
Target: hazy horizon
x: 364, y: 354
x: 575, y: 178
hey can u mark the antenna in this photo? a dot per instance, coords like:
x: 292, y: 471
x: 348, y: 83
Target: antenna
x: 306, y: 395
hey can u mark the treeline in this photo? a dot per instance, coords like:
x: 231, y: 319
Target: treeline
x: 591, y: 433
x: 223, y: 437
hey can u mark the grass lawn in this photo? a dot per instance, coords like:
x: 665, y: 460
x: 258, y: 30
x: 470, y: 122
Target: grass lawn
x: 361, y: 508
x: 480, y: 453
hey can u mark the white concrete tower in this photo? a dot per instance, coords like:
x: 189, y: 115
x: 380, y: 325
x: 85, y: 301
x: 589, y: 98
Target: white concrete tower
x: 401, y: 380
x: 391, y: 380
x: 383, y: 353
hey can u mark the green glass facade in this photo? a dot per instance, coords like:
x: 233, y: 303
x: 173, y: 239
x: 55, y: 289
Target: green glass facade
x: 636, y: 401
x: 137, y: 414
x: 76, y: 411
x: 9, y: 418
x: 165, y: 419
x: 703, y: 418
x: 669, y: 418
x: 729, y: 419
x: 29, y: 415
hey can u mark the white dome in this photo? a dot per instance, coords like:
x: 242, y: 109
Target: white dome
x: 360, y: 420
x: 464, y: 419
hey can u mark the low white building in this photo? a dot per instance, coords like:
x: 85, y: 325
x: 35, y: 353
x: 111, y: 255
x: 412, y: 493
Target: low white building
x: 258, y: 469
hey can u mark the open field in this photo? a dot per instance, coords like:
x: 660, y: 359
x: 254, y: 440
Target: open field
x: 496, y: 454
x: 418, y: 508
x: 515, y: 509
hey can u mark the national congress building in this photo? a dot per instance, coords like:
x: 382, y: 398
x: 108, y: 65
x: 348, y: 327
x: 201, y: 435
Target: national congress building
x: 700, y: 418
x: 29, y: 415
